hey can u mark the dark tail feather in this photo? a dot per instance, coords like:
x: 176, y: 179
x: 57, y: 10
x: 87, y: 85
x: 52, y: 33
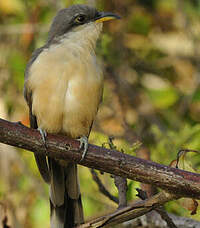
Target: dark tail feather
x: 40, y: 159
x: 43, y: 167
x: 67, y: 215
x: 65, y: 198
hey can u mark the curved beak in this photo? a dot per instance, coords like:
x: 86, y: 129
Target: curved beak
x: 105, y: 16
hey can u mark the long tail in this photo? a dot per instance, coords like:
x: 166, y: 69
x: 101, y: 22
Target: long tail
x: 65, y: 197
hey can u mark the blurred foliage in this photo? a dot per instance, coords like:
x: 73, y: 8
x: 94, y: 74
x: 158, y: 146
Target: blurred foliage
x: 151, y: 97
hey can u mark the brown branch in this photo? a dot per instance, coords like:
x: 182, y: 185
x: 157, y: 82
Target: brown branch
x: 120, y: 182
x: 183, y: 183
x: 132, y: 211
x: 160, y: 210
x: 164, y: 215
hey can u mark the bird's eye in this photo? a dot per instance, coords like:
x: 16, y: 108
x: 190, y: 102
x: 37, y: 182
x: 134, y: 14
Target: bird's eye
x: 80, y: 19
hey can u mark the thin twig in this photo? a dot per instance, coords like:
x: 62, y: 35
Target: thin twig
x: 183, y: 151
x: 102, y: 188
x: 120, y: 182
x: 160, y: 210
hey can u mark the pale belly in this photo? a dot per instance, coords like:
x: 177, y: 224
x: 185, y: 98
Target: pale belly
x: 66, y: 110
x: 65, y: 99
x: 80, y: 107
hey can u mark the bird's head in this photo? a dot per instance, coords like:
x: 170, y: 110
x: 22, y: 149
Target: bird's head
x: 78, y: 18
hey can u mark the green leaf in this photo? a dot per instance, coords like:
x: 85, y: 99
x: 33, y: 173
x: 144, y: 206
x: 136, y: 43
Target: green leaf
x: 163, y: 98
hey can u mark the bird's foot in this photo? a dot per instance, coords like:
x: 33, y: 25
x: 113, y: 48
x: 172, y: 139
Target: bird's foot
x: 43, y: 134
x: 83, y: 144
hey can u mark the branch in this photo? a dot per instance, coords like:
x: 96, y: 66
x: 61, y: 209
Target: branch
x: 132, y: 211
x: 183, y: 183
x: 121, y: 184
x: 160, y: 210
x: 102, y: 188
x: 156, y: 221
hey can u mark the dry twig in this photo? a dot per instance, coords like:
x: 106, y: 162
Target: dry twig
x: 120, y: 182
x: 102, y: 188
x: 132, y: 211
x: 143, y: 195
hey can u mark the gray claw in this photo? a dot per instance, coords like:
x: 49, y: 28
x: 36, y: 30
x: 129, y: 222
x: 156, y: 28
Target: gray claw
x: 43, y: 133
x: 83, y: 144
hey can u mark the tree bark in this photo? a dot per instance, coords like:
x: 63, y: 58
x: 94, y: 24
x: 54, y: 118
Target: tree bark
x: 180, y: 182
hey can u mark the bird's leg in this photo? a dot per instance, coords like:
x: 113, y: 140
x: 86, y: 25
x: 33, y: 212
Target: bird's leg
x: 83, y: 144
x: 43, y: 133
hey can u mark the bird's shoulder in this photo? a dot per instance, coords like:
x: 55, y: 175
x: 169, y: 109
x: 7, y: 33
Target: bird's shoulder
x: 34, y: 56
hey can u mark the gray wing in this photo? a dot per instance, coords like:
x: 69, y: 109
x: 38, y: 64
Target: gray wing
x: 40, y: 159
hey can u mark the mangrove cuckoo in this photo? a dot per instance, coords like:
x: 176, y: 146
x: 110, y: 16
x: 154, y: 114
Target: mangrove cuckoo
x: 63, y: 89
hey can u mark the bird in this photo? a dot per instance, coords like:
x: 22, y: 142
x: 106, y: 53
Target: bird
x: 63, y: 89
